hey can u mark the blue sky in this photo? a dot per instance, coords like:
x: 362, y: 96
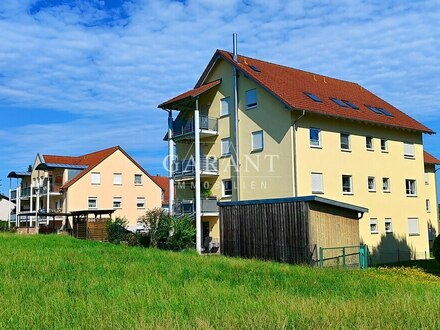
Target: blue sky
x: 77, y: 76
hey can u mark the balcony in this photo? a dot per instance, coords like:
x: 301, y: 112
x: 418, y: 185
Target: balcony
x: 209, y: 207
x: 184, y: 129
x: 25, y: 192
x: 13, y: 194
x: 13, y: 217
x: 185, y: 169
x: 52, y: 189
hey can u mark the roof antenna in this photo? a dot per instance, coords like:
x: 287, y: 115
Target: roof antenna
x: 234, y: 47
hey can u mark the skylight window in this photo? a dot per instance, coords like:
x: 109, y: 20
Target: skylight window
x: 374, y: 109
x: 313, y: 97
x: 351, y: 105
x: 338, y: 102
x: 385, y: 112
x: 255, y: 68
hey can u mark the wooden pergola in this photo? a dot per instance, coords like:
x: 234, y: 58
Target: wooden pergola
x: 90, y: 224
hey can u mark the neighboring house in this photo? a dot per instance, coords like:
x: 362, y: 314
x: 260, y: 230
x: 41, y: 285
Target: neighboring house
x: 298, y: 133
x: 104, y: 180
x: 5, y: 207
x: 163, y: 183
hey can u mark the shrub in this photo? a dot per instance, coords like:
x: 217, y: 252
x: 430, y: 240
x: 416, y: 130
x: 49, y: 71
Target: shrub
x: 182, y: 234
x: 5, y: 228
x: 436, y: 248
x: 169, y: 232
x: 117, y: 230
x: 157, y: 222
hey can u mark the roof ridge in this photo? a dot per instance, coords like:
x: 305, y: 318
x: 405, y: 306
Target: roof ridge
x: 291, y: 68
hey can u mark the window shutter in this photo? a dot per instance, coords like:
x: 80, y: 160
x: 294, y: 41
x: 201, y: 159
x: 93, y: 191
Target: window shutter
x: 413, y: 226
x: 409, y: 149
x: 317, y: 185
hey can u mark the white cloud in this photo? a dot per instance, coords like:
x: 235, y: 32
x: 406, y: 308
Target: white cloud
x: 112, y: 66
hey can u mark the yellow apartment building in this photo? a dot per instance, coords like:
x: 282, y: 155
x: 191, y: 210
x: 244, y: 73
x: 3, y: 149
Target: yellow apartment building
x: 108, y: 179
x: 251, y: 129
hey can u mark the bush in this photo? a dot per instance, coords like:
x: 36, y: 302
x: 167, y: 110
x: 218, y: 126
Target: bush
x: 5, y: 228
x: 169, y: 232
x: 117, y: 230
x: 436, y: 248
x: 182, y: 234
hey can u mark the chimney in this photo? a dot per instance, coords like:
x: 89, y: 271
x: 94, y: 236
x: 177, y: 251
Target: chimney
x: 234, y: 46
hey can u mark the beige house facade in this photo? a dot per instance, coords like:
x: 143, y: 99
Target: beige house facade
x: 253, y: 130
x: 108, y: 179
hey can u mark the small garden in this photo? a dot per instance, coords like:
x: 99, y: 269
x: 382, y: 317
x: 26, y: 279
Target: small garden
x: 162, y: 230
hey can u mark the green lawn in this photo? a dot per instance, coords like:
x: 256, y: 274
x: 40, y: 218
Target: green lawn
x: 57, y: 282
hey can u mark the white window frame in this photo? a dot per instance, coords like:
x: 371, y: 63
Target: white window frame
x: 224, y: 190
x: 95, y: 178
x: 428, y: 205
x: 348, y: 141
x: 351, y: 184
x: 116, y: 181
x: 225, y: 153
x: 140, y: 202
x: 88, y: 203
x: 373, y: 222
x: 253, y: 136
x: 413, y: 222
x: 249, y: 103
x: 390, y: 229
x: 138, y: 183
x: 317, y: 183
x: 373, y: 188
x: 411, y: 190
x: 117, y: 200
x: 372, y: 143
x: 383, y: 184
x: 225, y: 106
x: 408, y: 150
x: 384, y: 148
x: 313, y: 141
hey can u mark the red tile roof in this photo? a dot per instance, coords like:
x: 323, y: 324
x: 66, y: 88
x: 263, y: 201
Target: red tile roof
x: 163, y: 182
x: 288, y: 85
x: 90, y: 160
x: 191, y: 93
x: 430, y: 159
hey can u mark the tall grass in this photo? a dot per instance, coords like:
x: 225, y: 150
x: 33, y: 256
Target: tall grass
x: 57, y: 282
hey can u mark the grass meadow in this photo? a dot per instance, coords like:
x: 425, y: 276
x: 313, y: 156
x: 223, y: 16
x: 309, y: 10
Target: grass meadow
x: 58, y: 282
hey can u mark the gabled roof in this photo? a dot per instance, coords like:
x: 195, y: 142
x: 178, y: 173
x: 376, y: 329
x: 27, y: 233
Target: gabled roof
x: 86, y: 162
x: 191, y: 93
x: 430, y: 159
x: 288, y: 85
x: 163, y: 183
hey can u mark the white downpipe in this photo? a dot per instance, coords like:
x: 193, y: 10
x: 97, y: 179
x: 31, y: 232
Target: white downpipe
x: 9, y: 208
x: 170, y: 162
x: 37, y: 208
x: 236, y: 139
x: 197, y: 173
x: 31, y: 205
x: 48, y: 193
x: 18, y: 208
